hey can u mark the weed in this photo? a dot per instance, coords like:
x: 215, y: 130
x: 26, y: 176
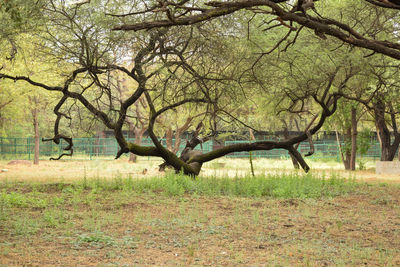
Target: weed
x: 190, y: 250
x: 25, y: 226
x: 4, y: 205
x: 130, y: 242
x: 54, y: 218
x: 256, y: 216
x: 95, y: 238
x: 4, y: 249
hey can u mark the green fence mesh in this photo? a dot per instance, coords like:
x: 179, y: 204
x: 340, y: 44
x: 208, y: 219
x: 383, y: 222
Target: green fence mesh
x: 328, y: 149
x: 84, y: 148
x: 89, y: 148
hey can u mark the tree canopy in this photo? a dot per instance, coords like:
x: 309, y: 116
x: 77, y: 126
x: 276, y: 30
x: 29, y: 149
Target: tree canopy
x: 232, y: 64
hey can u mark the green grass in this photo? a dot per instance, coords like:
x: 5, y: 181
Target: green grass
x: 284, y: 219
x: 277, y: 186
x: 51, y: 198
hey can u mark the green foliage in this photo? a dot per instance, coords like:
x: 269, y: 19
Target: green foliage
x: 25, y: 226
x: 19, y: 16
x: 96, y: 238
x: 363, y: 141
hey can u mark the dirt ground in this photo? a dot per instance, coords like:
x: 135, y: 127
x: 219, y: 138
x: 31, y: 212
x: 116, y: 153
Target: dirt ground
x: 116, y: 229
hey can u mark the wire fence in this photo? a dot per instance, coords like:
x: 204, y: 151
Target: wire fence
x: 324, y: 150
x: 84, y: 148
x: 107, y: 148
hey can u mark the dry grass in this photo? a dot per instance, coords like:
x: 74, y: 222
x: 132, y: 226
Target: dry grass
x: 50, y: 226
x: 65, y: 220
x: 69, y: 170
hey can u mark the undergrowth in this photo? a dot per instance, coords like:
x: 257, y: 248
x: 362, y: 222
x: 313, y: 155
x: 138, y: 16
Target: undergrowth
x: 277, y: 186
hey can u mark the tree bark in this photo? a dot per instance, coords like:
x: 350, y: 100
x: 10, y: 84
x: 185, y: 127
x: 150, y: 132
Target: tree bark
x: 353, y: 139
x: 37, y: 138
x: 339, y: 146
x: 138, y: 141
x: 179, y: 132
x: 388, y: 149
x: 253, y: 138
x: 347, y: 153
x: 168, y: 138
x: 132, y: 157
x: 294, y: 160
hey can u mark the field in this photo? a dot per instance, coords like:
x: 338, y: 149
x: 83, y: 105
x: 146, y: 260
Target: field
x: 113, y: 213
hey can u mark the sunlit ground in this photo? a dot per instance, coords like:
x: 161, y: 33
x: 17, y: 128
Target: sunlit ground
x: 68, y: 170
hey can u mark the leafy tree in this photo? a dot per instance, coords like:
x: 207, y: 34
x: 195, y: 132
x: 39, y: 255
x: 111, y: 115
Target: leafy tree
x: 205, y: 65
x: 18, y: 16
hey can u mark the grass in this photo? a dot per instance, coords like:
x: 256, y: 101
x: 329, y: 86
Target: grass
x: 292, y: 185
x: 69, y: 170
x: 282, y: 186
x: 278, y: 219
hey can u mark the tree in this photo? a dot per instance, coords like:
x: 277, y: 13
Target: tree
x: 18, y: 16
x: 379, y: 95
x: 211, y: 77
x: 185, y: 14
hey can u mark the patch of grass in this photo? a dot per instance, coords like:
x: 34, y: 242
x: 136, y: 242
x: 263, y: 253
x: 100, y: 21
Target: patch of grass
x: 273, y: 220
x: 54, y: 218
x: 277, y: 186
x: 24, y: 200
x: 25, y: 226
x: 292, y: 185
x: 95, y: 238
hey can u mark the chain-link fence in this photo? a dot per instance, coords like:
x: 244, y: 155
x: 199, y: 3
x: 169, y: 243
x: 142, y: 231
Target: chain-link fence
x: 107, y: 148
x: 325, y: 150
x: 84, y: 148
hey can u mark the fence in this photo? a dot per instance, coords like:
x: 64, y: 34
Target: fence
x: 327, y: 150
x: 107, y: 148
x: 84, y: 148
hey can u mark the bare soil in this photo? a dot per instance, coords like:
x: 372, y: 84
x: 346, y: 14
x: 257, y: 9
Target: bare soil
x: 122, y: 229
x: 118, y: 228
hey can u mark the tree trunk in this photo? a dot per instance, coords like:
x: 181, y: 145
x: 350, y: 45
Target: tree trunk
x: 294, y: 160
x: 138, y: 141
x: 388, y: 150
x: 168, y: 139
x: 37, y: 139
x: 353, y: 139
x: 253, y: 138
x: 398, y: 155
x: 132, y: 157
x: 339, y: 146
x: 177, y: 142
x: 179, y: 132
x: 347, y: 153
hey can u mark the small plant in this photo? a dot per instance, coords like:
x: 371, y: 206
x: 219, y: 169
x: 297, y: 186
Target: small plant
x: 190, y: 250
x: 361, y: 164
x: 96, y: 238
x: 25, y: 226
x: 3, y: 207
x: 54, y: 218
x: 130, y: 242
